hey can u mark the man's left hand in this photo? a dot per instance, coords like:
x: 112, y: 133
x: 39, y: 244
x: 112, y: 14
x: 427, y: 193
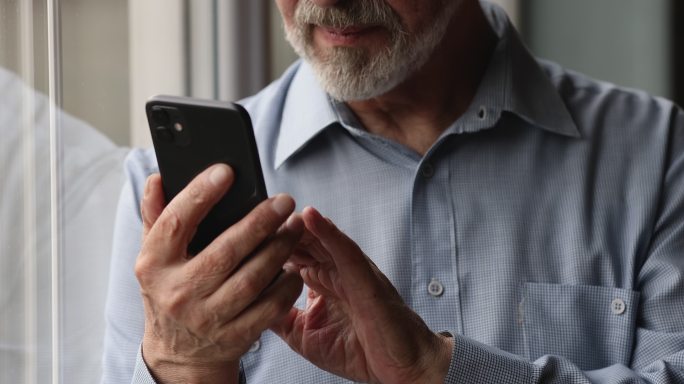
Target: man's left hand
x: 356, y: 324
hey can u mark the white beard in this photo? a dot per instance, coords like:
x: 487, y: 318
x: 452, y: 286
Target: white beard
x: 347, y: 73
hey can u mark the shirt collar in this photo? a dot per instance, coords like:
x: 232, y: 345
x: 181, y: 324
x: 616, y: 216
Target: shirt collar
x: 513, y: 82
x: 307, y: 111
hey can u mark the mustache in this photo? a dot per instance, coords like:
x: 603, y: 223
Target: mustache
x: 349, y: 13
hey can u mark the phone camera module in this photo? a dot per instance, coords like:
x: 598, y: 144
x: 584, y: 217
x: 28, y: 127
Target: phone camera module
x: 164, y: 134
x: 160, y: 116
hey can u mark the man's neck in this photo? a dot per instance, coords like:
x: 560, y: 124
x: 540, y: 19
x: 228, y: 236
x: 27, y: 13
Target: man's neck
x: 416, y: 112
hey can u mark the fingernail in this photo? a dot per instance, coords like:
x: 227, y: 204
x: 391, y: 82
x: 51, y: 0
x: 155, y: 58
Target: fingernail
x: 147, y: 187
x: 318, y: 215
x: 283, y: 204
x: 219, y: 174
x: 294, y: 223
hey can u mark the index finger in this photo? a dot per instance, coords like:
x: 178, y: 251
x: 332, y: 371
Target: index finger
x: 344, y: 253
x: 177, y: 224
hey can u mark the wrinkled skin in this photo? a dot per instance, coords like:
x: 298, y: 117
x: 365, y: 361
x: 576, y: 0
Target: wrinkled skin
x: 203, y: 312
x: 355, y: 324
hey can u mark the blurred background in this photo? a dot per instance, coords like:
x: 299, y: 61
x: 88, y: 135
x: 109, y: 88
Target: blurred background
x: 74, y: 77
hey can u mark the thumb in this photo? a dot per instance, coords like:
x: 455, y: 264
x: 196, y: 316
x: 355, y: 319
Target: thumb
x: 153, y: 202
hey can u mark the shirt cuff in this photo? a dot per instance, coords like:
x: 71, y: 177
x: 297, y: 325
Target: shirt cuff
x: 473, y: 362
x: 142, y: 375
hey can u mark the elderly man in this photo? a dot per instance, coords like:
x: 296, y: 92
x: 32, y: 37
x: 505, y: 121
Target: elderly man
x: 472, y: 215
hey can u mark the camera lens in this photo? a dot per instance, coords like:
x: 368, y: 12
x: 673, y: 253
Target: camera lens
x: 163, y: 133
x: 160, y: 116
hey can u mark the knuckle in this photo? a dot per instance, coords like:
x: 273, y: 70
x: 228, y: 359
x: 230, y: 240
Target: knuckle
x: 223, y: 259
x: 174, y: 304
x: 213, y: 264
x: 197, y: 194
x: 143, y: 268
x: 261, y: 223
x: 246, y: 284
x: 171, y: 225
x: 220, y: 265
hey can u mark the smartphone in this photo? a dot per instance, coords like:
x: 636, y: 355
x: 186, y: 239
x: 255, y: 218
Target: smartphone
x: 189, y: 135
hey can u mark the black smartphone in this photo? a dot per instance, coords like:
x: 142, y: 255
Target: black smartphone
x: 189, y: 135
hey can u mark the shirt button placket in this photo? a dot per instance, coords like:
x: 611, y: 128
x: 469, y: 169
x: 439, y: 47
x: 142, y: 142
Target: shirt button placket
x: 434, y: 296
x: 435, y: 288
x: 427, y: 170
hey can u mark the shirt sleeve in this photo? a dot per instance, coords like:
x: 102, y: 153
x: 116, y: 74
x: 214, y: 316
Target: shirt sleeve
x: 142, y: 375
x: 657, y: 354
x: 124, y: 313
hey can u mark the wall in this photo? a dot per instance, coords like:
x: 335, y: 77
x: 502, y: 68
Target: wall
x: 623, y: 41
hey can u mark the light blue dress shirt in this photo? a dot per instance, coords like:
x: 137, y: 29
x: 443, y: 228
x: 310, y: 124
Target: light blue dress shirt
x: 544, y: 228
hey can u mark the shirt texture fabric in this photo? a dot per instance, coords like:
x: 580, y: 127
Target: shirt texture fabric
x: 544, y: 229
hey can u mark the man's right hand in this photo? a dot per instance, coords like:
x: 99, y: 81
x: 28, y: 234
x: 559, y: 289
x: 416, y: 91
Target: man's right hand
x: 203, y: 313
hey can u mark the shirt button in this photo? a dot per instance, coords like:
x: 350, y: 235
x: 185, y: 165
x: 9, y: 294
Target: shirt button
x: 255, y: 347
x: 427, y: 170
x: 618, y: 306
x: 435, y: 288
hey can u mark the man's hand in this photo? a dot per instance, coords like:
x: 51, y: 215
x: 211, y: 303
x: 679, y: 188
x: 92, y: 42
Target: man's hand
x: 203, y: 313
x: 355, y: 323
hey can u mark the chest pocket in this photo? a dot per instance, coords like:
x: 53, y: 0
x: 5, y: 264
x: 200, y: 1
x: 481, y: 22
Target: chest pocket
x: 591, y: 326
